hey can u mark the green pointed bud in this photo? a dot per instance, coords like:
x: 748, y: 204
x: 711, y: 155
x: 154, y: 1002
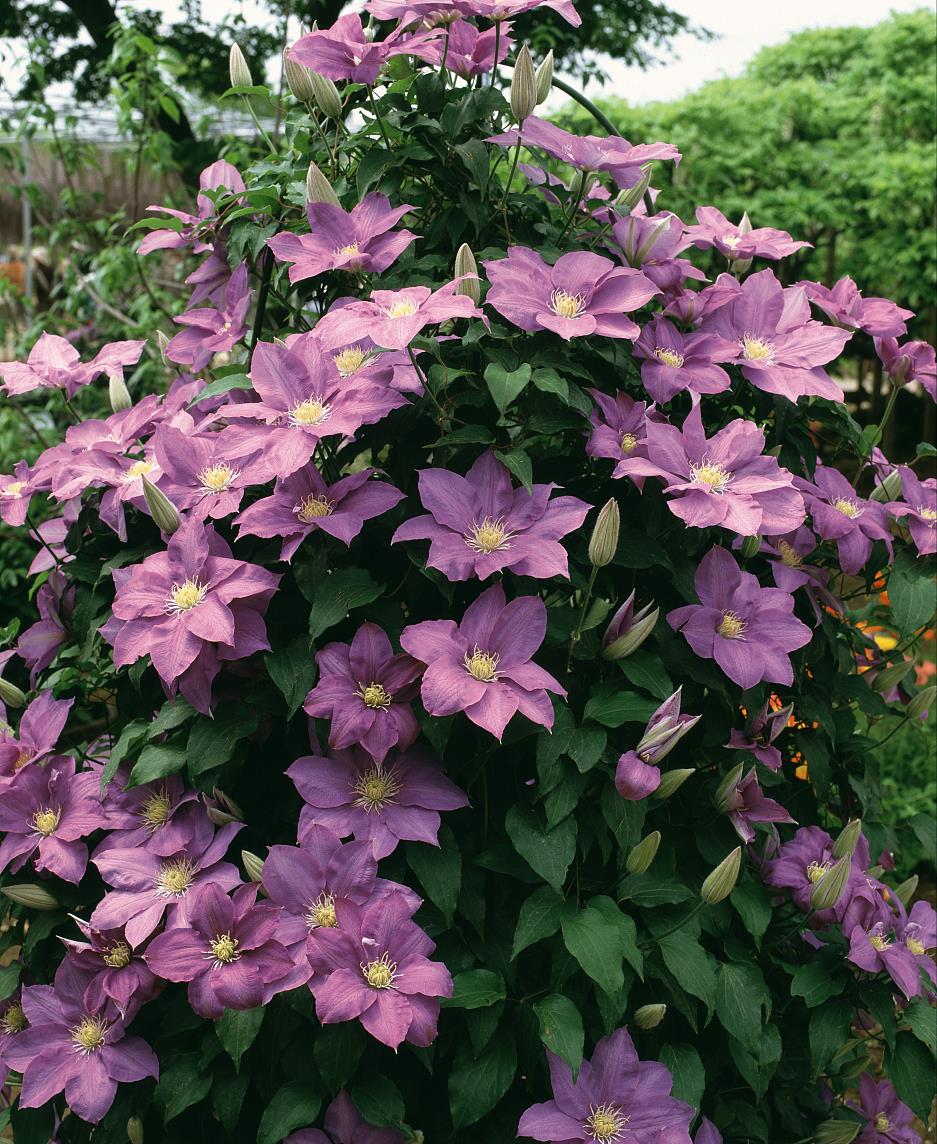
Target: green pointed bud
x: 545, y: 77
x: 253, y: 866
x: 135, y: 1130
x: 237, y: 68
x: 889, y: 677
x: 162, y: 344
x: 828, y: 888
x: 118, y: 394
x: 751, y: 546
x: 298, y: 79
x: 922, y: 702
x: 672, y: 781
x: 629, y: 643
x: 643, y: 854
x: 906, y: 891
x: 649, y: 1016
x: 221, y: 817
x: 30, y: 895
x: 631, y: 196
x: 318, y: 188
x: 721, y: 882
x: 227, y: 804
x: 523, y: 86
x: 888, y: 489
x: 848, y: 839
x: 163, y: 511
x: 326, y: 95
x: 875, y: 872
x: 415, y: 1137
x: 745, y: 224
x: 604, y: 542
x: 724, y: 792
x: 465, y: 264
x: 742, y: 265
x: 11, y: 695
x: 837, y: 1132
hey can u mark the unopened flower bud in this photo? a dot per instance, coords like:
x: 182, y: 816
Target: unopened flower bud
x: 162, y: 344
x: 888, y: 489
x: 221, y: 817
x: 253, y: 866
x: 604, y: 542
x: 415, y: 1137
x: 228, y: 804
x: 237, y: 67
x: 523, y: 86
x: 751, y: 546
x: 629, y: 643
x: 30, y: 895
x: 318, y: 188
x: 721, y: 882
x: 922, y: 702
x: 875, y: 872
x: 545, y: 77
x: 848, y: 839
x: 162, y: 510
x: 837, y: 1132
x: 631, y: 196
x: 745, y: 225
x: 11, y: 695
x: 298, y: 79
x: 889, y: 677
x: 672, y: 781
x: 643, y: 854
x: 325, y: 95
x: 465, y: 264
x: 906, y: 891
x: 649, y: 1016
x: 724, y: 796
x: 118, y: 394
x: 828, y: 888
x: 135, y: 1130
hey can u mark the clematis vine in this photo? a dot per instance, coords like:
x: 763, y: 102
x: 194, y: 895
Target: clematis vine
x: 910, y: 362
x: 344, y: 52
x: 203, y: 474
x: 40, y: 726
x: 888, y: 1120
x: 16, y: 491
x: 162, y: 816
x: 193, y: 228
x: 465, y: 50
x: 743, y: 800
x: 54, y: 363
x: 38, y: 644
x: 619, y: 430
x: 760, y: 733
x: 637, y: 774
x: 651, y: 243
x: 901, y: 947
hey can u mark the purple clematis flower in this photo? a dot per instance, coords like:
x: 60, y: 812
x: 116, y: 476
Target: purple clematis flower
x: 781, y: 350
x: 480, y: 524
x: 162, y: 816
x: 499, y: 10
x: 582, y: 294
x: 365, y: 690
x: 666, y: 727
x: 343, y: 52
x: 12, y: 1022
x: 615, y: 1097
x: 302, y: 503
x: 228, y: 952
x: 345, y: 1125
x: 466, y: 51
x: 188, y: 608
x: 713, y: 230
x: 650, y: 243
x: 148, y: 886
x: 399, y: 800
x: 54, y: 363
x: 674, y: 362
x: 724, y: 480
x: 918, y: 510
x: 39, y: 728
x: 635, y: 779
x: 899, y: 947
x: 760, y: 733
x: 69, y: 1048
x: 115, y: 970
x: 750, y: 631
x: 838, y: 514
x: 483, y: 666
x: 588, y: 152
x: 788, y: 555
x: 203, y: 474
x: 889, y: 1121
x: 619, y: 429
x: 744, y: 802
x: 45, y: 812
x: 393, y: 318
x: 16, y: 490
x: 215, y: 177
x: 376, y: 968
x: 357, y: 241
x: 55, y: 601
x: 844, y: 305
x: 913, y: 361
x: 209, y: 331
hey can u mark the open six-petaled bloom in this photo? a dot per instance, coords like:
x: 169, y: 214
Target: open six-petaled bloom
x: 54, y: 363
x: 115, y: 969
x: 839, y: 514
x: 918, y: 510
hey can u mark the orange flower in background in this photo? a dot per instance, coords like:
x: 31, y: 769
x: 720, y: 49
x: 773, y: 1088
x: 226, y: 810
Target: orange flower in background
x: 924, y: 672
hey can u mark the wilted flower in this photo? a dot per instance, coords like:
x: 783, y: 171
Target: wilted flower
x: 467, y: 51
x: 745, y: 803
x: 193, y: 229
x: 39, y: 728
x: 54, y: 363
x: 345, y: 52
x: 912, y: 361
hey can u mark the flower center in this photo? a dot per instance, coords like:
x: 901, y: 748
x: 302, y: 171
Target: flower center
x: 923, y: 511
x: 605, y: 1122
x: 915, y: 946
x: 348, y: 251
x: 13, y: 489
x: 138, y: 469
x: 847, y: 507
x: 22, y: 758
x: 816, y: 870
x: 117, y: 956
x: 184, y: 597
x: 628, y: 443
x: 732, y: 626
x: 405, y: 308
x: 175, y: 878
x: 788, y: 555
x: 712, y: 474
x: 482, y: 666
x: 567, y: 305
x: 224, y: 950
x: 217, y: 478
x: 757, y: 349
x: 731, y: 240
x: 312, y: 411
x: 669, y: 357
x: 374, y: 696
x: 156, y: 810
x: 882, y: 1123
x: 489, y: 536
x: 380, y: 974
x: 376, y: 788
x: 350, y: 360
x: 321, y: 913
x: 312, y: 507
x: 878, y: 940
x: 14, y: 1019
x: 46, y: 820
x: 89, y: 1036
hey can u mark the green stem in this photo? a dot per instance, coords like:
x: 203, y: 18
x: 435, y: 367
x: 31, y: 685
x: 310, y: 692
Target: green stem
x: 263, y: 134
x: 577, y: 633
x: 38, y: 536
x: 494, y: 65
x: 673, y: 929
x: 892, y: 398
x: 574, y: 205
x: 426, y: 389
x: 377, y: 116
x: 265, y: 274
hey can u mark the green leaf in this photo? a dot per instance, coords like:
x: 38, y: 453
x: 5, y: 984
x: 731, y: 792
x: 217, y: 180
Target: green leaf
x: 549, y: 381
x: 9, y: 978
x: 293, y: 669
x: 212, y: 741
x: 689, y: 1076
x: 743, y: 1003
x: 816, y: 983
x: 692, y: 966
x: 156, y: 761
x: 586, y: 746
x: 129, y: 739
x: 503, y: 386
x: 646, y: 671
x: 923, y: 1021
x: 548, y: 852
x: 611, y: 710
x: 517, y: 461
x: 237, y: 1030
x: 829, y: 1029
x: 540, y: 917
x: 294, y: 1106
x: 379, y: 1101
x: 440, y: 872
x: 222, y: 385
x: 911, y: 591
x: 754, y: 908
x: 475, y: 989
x: 561, y: 1029
x: 227, y: 1098
x: 182, y: 1083
x: 338, y: 594
x: 477, y: 1083
x: 600, y: 937
x: 336, y: 1052
x: 910, y: 1068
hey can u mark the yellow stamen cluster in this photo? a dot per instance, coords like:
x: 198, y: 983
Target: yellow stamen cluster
x: 46, y: 820
x: 882, y: 1123
x: 605, y: 1123
x: 732, y: 626
x: 312, y: 411
x: 847, y: 507
x: 89, y: 1036
x: 757, y: 349
x: 669, y: 357
x: 138, y: 469
x: 375, y: 789
x: 321, y: 914
x: 731, y: 240
x: 481, y: 666
x: 567, y: 305
x: 14, y: 1019
x: 405, y: 308
x: 217, y: 478
x: 348, y: 251
x: 628, y: 443
x: 156, y: 810
x: 350, y: 360
x: 489, y: 536
x: 879, y: 941
x: 788, y: 555
x: 711, y: 474
x: 13, y: 489
x: 927, y: 513
x: 816, y: 870
x: 380, y: 974
x: 313, y: 507
x: 374, y: 696
x: 223, y: 950
x: 117, y: 956
x: 175, y: 878
x: 915, y: 946
x: 183, y: 597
